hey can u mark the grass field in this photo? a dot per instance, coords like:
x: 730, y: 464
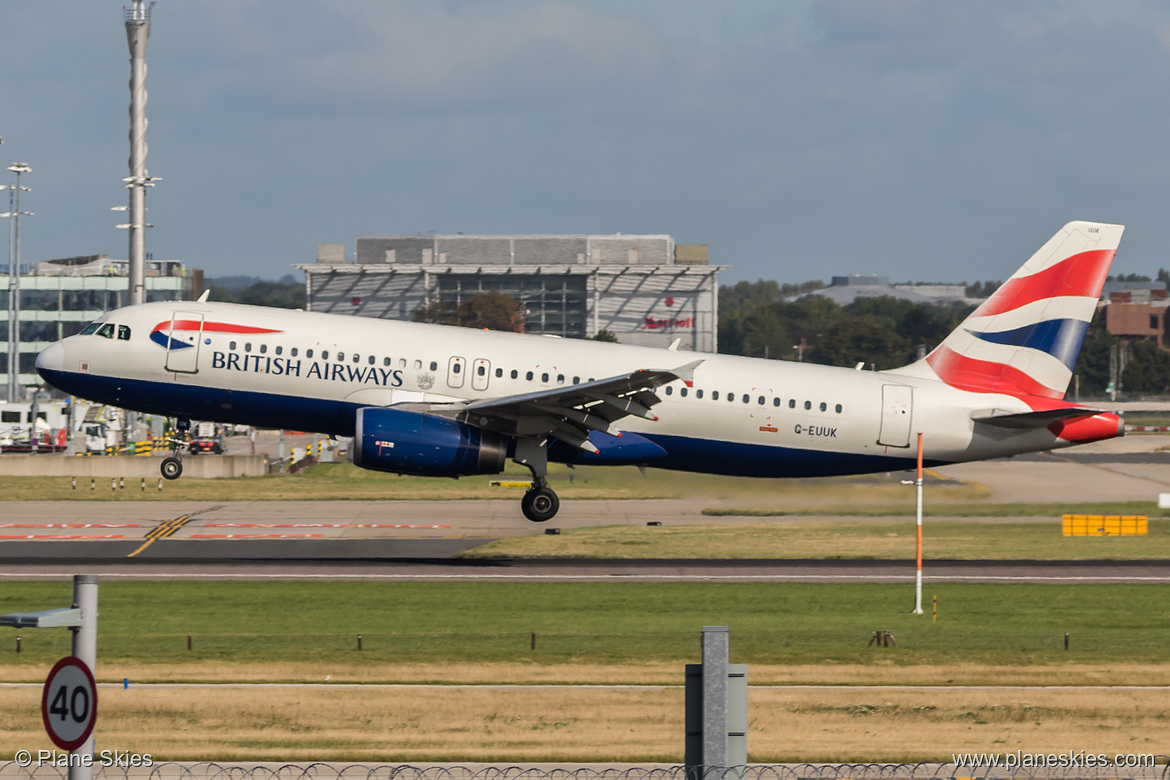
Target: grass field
x: 839, y: 539
x: 236, y: 625
x: 500, y: 725
x: 639, y: 634
x: 342, y: 481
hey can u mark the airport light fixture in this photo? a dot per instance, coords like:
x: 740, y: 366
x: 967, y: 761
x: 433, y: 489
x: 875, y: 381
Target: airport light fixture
x: 14, y: 214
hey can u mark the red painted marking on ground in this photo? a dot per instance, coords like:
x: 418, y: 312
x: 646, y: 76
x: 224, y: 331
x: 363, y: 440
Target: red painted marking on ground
x: 71, y: 525
x: 314, y: 525
x: 256, y: 536
x: 65, y: 536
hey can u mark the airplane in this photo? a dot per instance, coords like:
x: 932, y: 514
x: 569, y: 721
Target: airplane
x: 443, y: 401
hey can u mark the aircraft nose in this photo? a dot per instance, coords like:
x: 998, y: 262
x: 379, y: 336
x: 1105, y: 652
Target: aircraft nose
x: 51, y: 358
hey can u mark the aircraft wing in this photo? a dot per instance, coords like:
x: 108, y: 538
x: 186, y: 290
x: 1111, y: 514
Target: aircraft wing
x: 570, y: 413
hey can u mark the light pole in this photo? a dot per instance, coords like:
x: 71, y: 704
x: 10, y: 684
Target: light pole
x: 14, y: 213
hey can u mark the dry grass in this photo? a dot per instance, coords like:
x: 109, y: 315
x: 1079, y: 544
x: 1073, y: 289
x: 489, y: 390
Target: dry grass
x: 461, y: 724
x: 649, y: 673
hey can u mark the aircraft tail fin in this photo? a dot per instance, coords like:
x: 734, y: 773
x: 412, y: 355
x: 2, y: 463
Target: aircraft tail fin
x: 1024, y: 339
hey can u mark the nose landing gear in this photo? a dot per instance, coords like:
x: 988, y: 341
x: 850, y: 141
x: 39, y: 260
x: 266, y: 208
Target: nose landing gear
x: 171, y: 467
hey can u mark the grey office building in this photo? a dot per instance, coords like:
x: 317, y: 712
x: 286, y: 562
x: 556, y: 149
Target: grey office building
x: 645, y: 289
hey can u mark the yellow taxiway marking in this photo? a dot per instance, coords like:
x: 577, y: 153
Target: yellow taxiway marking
x: 167, y: 528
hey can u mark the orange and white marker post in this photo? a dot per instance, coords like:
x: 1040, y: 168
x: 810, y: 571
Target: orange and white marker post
x: 918, y: 573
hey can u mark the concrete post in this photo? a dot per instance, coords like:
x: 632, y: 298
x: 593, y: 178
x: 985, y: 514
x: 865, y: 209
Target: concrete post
x: 85, y: 598
x: 716, y: 657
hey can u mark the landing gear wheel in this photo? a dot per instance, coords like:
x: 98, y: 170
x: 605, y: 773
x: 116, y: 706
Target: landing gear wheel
x: 540, y: 504
x: 171, y: 468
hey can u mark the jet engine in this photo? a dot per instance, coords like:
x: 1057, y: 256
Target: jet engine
x: 425, y: 445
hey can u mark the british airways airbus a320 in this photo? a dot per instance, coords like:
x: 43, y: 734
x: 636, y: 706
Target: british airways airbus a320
x: 442, y: 401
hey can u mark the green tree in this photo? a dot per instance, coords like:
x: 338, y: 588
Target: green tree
x: 487, y: 311
x: 282, y: 294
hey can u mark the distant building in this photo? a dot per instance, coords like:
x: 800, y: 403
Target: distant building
x: 1138, y: 310
x: 645, y: 289
x: 844, y: 290
x: 58, y: 298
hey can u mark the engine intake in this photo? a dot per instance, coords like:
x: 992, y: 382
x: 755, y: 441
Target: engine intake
x: 425, y: 445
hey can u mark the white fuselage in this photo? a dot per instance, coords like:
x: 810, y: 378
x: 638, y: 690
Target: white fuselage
x: 308, y: 371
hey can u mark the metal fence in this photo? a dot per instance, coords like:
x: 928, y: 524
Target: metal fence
x: 341, y: 771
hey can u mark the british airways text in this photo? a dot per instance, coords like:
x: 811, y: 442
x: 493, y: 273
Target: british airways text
x: 334, y: 372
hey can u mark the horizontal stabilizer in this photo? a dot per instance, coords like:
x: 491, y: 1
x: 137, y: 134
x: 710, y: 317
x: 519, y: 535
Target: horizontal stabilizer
x: 1034, y: 419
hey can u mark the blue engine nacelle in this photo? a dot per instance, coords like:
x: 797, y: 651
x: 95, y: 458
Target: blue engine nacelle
x: 425, y: 445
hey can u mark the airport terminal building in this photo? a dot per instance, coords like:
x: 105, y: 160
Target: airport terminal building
x: 60, y: 297
x: 645, y: 289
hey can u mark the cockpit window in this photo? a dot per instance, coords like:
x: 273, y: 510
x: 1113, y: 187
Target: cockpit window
x: 90, y: 329
x: 106, y: 331
x: 123, y: 333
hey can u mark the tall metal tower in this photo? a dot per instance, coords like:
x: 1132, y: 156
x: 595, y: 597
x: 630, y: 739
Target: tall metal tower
x: 14, y: 214
x: 137, y: 32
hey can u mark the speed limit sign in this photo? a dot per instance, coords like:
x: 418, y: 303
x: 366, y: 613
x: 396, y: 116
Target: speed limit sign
x: 69, y: 703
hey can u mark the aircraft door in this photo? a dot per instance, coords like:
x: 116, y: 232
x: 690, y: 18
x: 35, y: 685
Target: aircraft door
x: 456, y: 368
x: 480, y: 372
x: 183, y: 338
x: 897, y: 411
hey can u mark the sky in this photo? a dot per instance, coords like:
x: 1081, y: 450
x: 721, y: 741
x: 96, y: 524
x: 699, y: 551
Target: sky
x: 924, y: 140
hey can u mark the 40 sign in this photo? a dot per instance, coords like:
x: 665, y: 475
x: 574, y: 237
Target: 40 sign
x: 69, y: 703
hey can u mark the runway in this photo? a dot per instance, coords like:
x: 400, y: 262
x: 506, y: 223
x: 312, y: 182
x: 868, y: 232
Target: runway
x: 278, y: 560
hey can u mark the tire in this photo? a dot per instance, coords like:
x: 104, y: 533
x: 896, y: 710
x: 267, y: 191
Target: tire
x: 540, y: 505
x: 171, y: 468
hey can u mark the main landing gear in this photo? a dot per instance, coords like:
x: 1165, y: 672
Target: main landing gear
x: 540, y: 503
x: 171, y: 467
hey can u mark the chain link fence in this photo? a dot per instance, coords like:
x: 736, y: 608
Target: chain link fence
x: 337, y: 771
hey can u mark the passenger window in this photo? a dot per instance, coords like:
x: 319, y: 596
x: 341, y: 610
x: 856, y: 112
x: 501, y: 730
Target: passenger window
x: 263, y: 348
x: 838, y: 408
x: 434, y: 366
x: 418, y: 364
x: 106, y: 331
x: 248, y: 346
x: 481, y: 370
x: 231, y: 345
x: 455, y: 369
x: 324, y: 354
x: 308, y: 353
x: 775, y: 402
x: 576, y: 380
x: 544, y: 378
x: 385, y: 361
x: 731, y: 397
x: 747, y: 399
x: 714, y: 395
x: 358, y: 358
x: 807, y: 405
x: 515, y: 373
x: 528, y: 376
x: 499, y: 373
x: 791, y: 403
x: 279, y: 350
x: 824, y: 406
x: 123, y: 333
x: 560, y: 379
x: 371, y: 361
x: 340, y: 356
x: 669, y: 390
x: 698, y: 393
x: 683, y: 392
x: 293, y: 352
x: 402, y: 362
x: 761, y: 400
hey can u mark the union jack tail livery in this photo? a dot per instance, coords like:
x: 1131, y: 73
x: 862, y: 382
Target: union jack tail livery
x: 1024, y: 339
